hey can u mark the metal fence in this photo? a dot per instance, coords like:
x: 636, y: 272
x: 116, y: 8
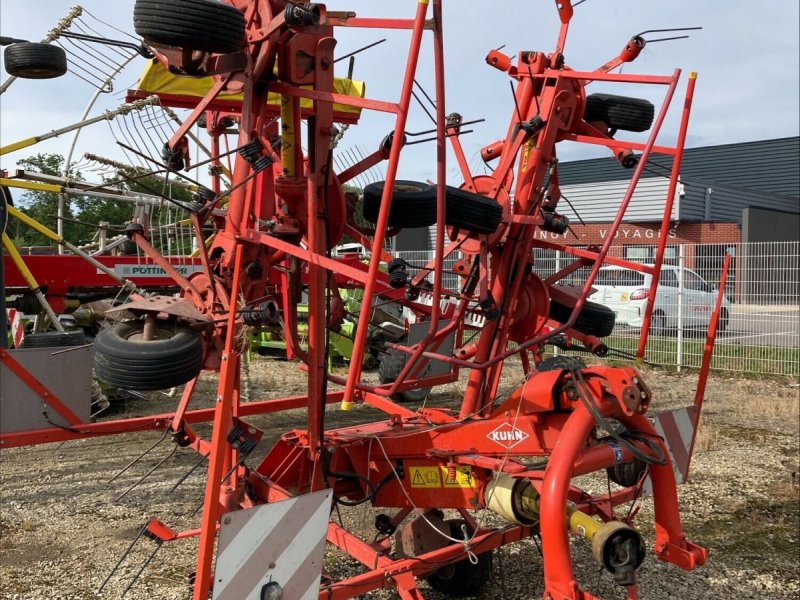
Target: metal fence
x: 760, y: 321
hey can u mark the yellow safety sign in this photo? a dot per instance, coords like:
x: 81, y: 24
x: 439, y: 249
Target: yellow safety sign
x: 463, y: 477
x: 425, y: 477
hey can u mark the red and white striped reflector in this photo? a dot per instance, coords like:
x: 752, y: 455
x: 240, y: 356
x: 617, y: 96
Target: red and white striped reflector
x: 15, y: 326
x: 282, y: 542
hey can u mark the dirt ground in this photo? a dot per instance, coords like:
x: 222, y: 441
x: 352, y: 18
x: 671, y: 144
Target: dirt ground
x: 64, y: 524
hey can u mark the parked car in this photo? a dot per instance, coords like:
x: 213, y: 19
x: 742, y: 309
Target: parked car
x: 350, y: 248
x: 626, y: 291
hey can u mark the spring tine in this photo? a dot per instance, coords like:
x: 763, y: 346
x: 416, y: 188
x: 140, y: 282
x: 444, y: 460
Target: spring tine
x: 198, y: 507
x: 230, y: 472
x: 186, y: 475
x: 159, y: 543
x: 140, y: 457
x: 352, y: 155
x: 122, y: 558
x: 146, y: 475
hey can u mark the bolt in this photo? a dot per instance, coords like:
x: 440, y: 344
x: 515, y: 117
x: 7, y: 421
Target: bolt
x: 227, y: 521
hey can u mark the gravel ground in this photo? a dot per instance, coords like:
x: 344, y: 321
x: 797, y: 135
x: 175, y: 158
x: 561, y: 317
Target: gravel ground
x: 63, y: 525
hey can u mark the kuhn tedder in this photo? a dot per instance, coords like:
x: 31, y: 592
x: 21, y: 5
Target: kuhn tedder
x: 268, y: 66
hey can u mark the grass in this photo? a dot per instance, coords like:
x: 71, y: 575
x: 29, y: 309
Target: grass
x: 707, y: 437
x: 743, y: 358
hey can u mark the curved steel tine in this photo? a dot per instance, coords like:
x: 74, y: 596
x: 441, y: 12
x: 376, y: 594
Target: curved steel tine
x: 140, y: 457
x: 146, y: 475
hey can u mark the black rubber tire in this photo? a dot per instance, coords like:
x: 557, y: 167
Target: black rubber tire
x: 658, y: 324
x: 619, y: 112
x: 392, y: 362
x: 413, y: 203
x: 5, y: 202
x: 724, y: 320
x: 6, y: 193
x: 462, y: 578
x: 129, y: 248
x: 29, y: 60
x: 121, y: 360
x: 627, y: 474
x: 472, y: 212
x: 205, y: 25
x: 53, y: 339
x: 560, y: 363
x: 594, y: 319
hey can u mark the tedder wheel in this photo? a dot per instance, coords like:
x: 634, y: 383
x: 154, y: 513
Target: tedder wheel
x: 561, y: 362
x: 724, y: 318
x: 51, y: 339
x: 658, y: 323
x: 123, y: 359
x: 30, y: 60
x: 461, y: 578
x: 594, y: 319
x: 472, y: 212
x: 205, y: 25
x: 129, y: 248
x: 619, y: 112
x: 627, y: 474
x: 413, y: 203
x: 389, y: 368
x: 5, y: 202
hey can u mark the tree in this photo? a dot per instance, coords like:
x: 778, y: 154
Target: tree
x: 82, y: 214
x: 41, y: 206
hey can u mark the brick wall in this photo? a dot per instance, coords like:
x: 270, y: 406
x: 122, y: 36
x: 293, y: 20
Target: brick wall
x: 647, y: 233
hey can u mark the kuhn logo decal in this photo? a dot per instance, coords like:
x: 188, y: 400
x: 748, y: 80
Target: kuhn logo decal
x: 507, y: 435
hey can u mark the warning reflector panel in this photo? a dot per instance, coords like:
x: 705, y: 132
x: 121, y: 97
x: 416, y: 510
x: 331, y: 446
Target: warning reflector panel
x: 273, y: 546
x: 677, y: 428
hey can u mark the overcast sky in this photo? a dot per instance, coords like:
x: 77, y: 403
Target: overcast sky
x: 746, y: 57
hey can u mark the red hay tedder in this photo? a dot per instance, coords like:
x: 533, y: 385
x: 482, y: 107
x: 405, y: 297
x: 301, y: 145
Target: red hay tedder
x: 269, y: 66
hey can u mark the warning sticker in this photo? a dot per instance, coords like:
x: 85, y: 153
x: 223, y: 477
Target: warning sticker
x: 425, y: 477
x: 463, y: 477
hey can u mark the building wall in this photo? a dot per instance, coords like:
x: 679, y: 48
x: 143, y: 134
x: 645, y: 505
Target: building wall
x: 600, y: 202
x: 703, y: 245
x: 760, y: 225
x: 719, y: 181
x: 647, y: 233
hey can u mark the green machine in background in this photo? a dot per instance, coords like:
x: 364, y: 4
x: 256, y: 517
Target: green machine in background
x: 386, y: 325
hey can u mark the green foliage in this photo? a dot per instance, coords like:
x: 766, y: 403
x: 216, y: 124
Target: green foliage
x: 82, y: 213
x: 358, y: 215
x: 43, y: 207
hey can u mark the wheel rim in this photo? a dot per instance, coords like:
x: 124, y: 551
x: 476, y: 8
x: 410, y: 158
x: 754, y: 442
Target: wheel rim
x: 659, y: 324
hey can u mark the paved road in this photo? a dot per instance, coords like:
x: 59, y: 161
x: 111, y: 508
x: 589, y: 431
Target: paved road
x: 751, y: 325
x: 763, y: 326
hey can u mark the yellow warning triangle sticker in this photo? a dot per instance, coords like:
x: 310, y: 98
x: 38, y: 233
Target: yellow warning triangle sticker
x: 418, y: 478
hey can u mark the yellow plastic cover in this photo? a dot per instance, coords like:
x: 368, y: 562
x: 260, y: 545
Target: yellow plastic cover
x: 157, y: 80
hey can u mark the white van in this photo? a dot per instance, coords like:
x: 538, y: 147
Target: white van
x: 625, y: 292
x: 350, y: 248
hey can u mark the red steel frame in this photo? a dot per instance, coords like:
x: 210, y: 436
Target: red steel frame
x: 547, y: 421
